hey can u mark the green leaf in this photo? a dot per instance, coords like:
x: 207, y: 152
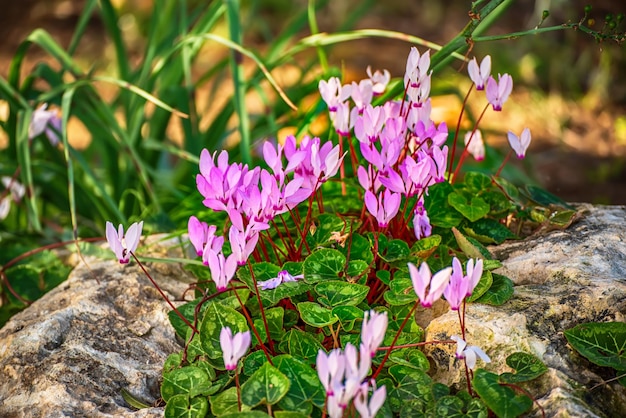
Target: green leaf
x: 396, y: 250
x: 262, y: 271
x: 439, y: 210
x: 324, y: 264
x: 267, y: 385
x: 217, y: 317
x: 333, y: 293
x: 471, y: 247
x: 325, y: 225
x: 302, y: 345
x: 545, y: 198
x: 289, y: 414
x: 400, y: 292
x: 189, y: 380
x: 356, y: 269
x: 425, y: 247
x: 181, y: 406
x: 384, y: 276
x: 187, y: 310
x: 274, y: 318
x: 473, y: 210
x: 305, y: 390
x: 132, y: 401
x: 411, y: 385
x: 226, y: 402
x: 477, y: 182
x: 500, y: 291
x: 527, y: 367
x: 455, y: 407
x: 357, y: 247
x: 489, y: 231
x: 315, y: 315
x: 247, y: 414
x: 502, y: 400
x: 348, y: 315
x: 410, y: 357
x: 484, y: 284
x: 253, y: 362
x: 603, y: 343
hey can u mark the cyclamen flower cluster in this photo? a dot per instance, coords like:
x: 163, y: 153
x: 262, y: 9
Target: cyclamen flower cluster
x: 449, y: 282
x: 343, y: 373
x: 402, y: 145
x: 253, y: 197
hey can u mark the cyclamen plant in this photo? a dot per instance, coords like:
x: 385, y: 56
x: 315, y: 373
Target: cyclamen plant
x: 318, y: 257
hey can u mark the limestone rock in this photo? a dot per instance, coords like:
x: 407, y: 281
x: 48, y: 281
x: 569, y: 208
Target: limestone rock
x: 72, y: 352
x: 562, y: 279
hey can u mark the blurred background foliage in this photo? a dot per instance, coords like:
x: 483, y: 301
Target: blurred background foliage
x: 105, y: 64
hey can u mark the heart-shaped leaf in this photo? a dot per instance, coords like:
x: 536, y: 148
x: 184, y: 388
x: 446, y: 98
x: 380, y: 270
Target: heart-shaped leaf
x: 500, y: 291
x: 602, y: 343
x: 333, y: 293
x: 306, y: 389
x: 324, y: 264
x: 473, y: 210
x: 184, y: 381
x: 267, y: 385
x: 315, y: 315
x: 182, y: 406
x: 502, y: 400
x: 526, y: 366
x: 217, y: 317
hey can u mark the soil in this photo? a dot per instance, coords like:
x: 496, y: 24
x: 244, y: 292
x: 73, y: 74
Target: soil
x: 579, y: 137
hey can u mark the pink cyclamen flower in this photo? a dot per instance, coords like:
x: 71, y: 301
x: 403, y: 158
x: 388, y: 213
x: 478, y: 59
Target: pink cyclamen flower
x: 457, y: 289
x: 47, y: 121
x: 383, y: 207
x: 475, y: 145
x: 123, y: 245
x: 480, y: 75
x: 520, y: 145
x: 222, y: 268
x: 373, y: 330
x: 333, y: 93
x: 369, y: 409
x: 421, y: 222
x: 201, y: 234
x: 283, y: 277
x: 423, y: 280
x: 498, y: 92
x: 233, y: 347
x: 462, y: 286
x: 330, y: 369
x: 469, y: 352
x: 379, y: 80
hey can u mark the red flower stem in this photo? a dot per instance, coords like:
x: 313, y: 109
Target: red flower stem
x: 238, y: 391
x: 464, y: 154
x: 252, y: 327
x: 506, y: 159
x: 258, y: 298
x: 458, y: 128
x: 342, y: 168
x: 393, y: 343
x: 416, y: 345
x: 163, y: 295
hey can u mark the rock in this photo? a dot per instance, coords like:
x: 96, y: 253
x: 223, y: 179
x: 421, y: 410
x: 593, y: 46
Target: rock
x: 562, y: 279
x: 72, y: 352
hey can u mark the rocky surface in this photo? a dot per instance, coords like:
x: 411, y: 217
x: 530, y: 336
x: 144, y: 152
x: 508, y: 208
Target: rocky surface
x: 562, y: 278
x: 72, y: 352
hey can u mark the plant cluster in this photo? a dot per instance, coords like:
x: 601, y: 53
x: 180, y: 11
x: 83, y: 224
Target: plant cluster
x: 327, y: 251
x: 312, y: 264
